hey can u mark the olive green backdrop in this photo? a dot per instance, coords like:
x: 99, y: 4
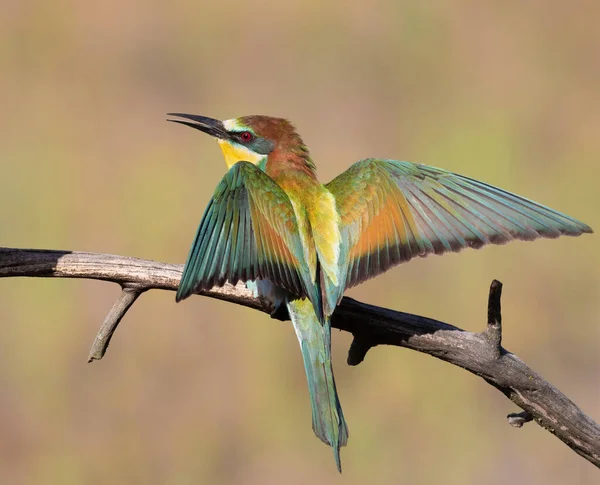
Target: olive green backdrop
x: 207, y: 392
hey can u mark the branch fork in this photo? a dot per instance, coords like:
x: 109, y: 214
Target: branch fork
x: 129, y: 294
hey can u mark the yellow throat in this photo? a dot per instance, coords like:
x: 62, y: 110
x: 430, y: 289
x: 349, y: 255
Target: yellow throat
x: 235, y: 153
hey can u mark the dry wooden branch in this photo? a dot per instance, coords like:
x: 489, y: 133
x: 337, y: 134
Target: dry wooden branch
x: 479, y: 353
x: 112, y: 320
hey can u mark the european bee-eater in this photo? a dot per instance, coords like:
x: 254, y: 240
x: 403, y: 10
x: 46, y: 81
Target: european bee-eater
x: 272, y: 224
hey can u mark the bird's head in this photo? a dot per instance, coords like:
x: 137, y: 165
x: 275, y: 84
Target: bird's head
x: 252, y: 139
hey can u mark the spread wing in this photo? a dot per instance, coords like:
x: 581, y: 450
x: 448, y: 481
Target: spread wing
x: 393, y: 211
x: 248, y: 232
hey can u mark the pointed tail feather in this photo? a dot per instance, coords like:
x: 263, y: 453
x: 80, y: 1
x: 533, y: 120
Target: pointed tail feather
x: 315, y: 341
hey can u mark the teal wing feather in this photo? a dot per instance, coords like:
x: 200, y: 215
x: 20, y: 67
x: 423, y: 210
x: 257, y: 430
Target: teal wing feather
x: 248, y: 232
x: 393, y: 211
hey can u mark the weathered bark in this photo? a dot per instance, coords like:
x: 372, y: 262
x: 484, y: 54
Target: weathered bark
x: 479, y: 353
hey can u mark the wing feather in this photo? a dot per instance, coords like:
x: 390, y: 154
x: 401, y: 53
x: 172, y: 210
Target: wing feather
x: 394, y: 211
x: 248, y: 232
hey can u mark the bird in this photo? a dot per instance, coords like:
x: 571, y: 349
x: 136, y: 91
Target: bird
x: 300, y: 243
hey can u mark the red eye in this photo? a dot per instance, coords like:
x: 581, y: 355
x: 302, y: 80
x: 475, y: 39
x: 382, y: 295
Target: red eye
x: 246, y: 136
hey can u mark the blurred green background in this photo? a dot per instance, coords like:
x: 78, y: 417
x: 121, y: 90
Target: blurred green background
x: 207, y: 392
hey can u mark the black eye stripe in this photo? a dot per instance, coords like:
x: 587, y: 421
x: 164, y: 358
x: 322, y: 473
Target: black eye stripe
x: 255, y: 143
x: 243, y: 137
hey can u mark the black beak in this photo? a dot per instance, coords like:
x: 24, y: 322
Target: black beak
x: 207, y: 125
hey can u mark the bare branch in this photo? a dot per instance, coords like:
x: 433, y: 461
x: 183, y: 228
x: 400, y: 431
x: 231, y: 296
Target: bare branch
x: 117, y: 312
x: 479, y: 353
x: 517, y: 420
x: 493, y: 332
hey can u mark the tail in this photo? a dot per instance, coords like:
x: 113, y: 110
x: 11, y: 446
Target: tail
x: 315, y: 341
